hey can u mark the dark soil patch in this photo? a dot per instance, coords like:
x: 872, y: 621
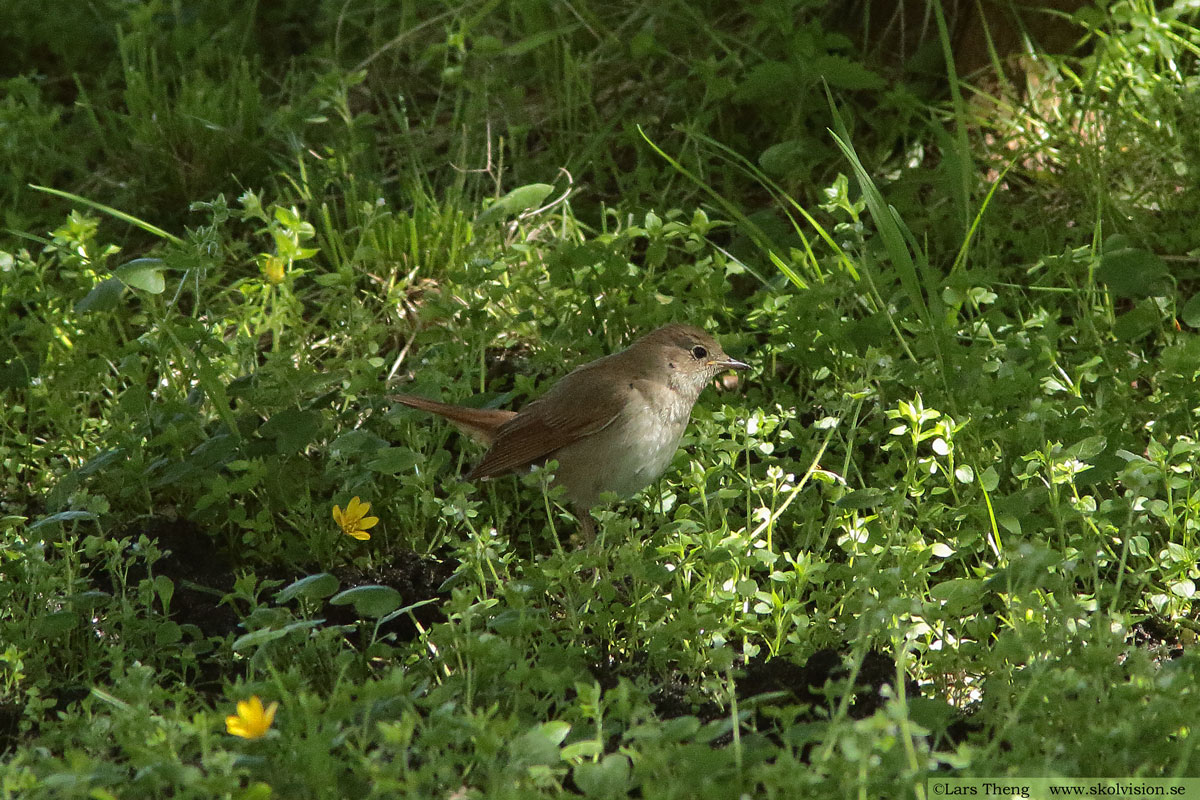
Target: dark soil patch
x: 10, y: 726
x: 417, y: 578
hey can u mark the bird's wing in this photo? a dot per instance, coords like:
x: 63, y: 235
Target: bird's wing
x: 582, y: 403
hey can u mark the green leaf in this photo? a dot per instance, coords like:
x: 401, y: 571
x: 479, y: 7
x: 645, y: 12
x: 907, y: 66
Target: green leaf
x: 1190, y: 313
x: 1182, y: 358
x: 843, y: 73
x: 56, y: 624
x: 1138, y: 323
x: 608, y: 778
x: 933, y: 714
x: 164, y: 587
x: 311, y: 587
x: 256, y: 791
x: 257, y: 638
x: 1087, y: 449
x: 1185, y: 588
x: 393, y: 460
x: 62, y: 516
x: 1132, y: 272
x: 539, y: 745
x: 989, y: 479
x: 144, y: 274
x: 167, y: 633
x: 1030, y: 566
x: 355, y: 442
x: 104, y: 296
x: 292, y: 429
x: 264, y: 635
x: 585, y: 748
x: 333, y: 279
x: 100, y: 461
x: 89, y: 600
x: 680, y: 728
x: 20, y: 371
x: 959, y: 594
x: 784, y: 157
x: 765, y: 81
x: 518, y: 201
x: 863, y: 498
x: 369, y: 601
x: 408, y: 609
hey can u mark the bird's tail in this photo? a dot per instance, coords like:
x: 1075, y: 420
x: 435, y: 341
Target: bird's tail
x: 480, y: 424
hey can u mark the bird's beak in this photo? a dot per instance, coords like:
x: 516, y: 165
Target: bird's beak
x: 729, y: 363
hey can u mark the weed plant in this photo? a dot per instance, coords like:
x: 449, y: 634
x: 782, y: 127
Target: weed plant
x: 946, y: 525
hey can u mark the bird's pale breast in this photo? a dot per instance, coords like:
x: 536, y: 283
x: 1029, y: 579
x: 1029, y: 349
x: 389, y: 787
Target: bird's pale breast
x: 627, y: 455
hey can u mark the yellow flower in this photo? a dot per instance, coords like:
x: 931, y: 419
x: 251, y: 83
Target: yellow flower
x: 273, y: 267
x: 354, y: 520
x: 251, y: 721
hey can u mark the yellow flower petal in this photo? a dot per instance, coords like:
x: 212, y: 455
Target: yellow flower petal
x: 273, y: 267
x: 354, y: 520
x: 251, y: 721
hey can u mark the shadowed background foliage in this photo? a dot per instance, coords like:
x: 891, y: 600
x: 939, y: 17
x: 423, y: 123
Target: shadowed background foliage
x: 947, y: 522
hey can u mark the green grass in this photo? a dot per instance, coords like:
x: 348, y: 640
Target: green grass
x: 947, y: 524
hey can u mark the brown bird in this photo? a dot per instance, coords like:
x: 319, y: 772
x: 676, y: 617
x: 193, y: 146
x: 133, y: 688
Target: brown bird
x: 613, y: 425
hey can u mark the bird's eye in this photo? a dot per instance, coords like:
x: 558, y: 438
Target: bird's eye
x: 699, y: 352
